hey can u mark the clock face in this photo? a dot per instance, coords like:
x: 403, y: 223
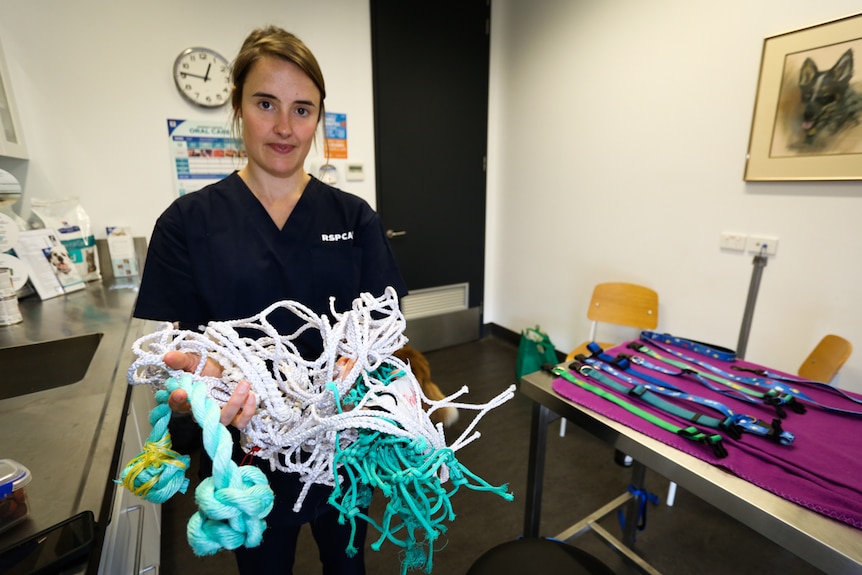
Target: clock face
x: 203, y: 77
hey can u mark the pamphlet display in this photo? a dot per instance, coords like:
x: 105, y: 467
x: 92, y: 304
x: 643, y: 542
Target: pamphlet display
x: 121, y: 247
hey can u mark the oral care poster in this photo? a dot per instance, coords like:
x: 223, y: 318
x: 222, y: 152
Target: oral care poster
x: 202, y: 152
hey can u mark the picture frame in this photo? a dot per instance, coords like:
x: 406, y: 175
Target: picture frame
x: 807, y: 120
x: 12, y: 143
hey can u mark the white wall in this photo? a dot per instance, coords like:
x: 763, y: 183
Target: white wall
x: 618, y: 132
x: 618, y: 138
x: 94, y: 85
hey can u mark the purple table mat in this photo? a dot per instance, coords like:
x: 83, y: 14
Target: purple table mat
x: 821, y: 470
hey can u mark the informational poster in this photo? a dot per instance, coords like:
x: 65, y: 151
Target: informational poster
x: 335, y: 129
x: 202, y: 152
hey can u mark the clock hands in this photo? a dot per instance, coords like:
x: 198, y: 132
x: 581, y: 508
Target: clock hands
x: 186, y: 74
x: 205, y: 77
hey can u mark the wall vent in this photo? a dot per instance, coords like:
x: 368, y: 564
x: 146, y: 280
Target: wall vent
x: 435, y: 301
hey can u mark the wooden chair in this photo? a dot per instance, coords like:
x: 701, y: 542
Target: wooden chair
x: 619, y: 303
x: 622, y: 304
x: 824, y: 361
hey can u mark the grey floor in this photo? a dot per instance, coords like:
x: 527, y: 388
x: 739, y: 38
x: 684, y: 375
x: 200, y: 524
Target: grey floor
x: 692, y: 537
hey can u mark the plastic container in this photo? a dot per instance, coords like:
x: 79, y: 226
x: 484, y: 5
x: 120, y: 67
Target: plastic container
x: 9, y: 311
x: 14, y: 505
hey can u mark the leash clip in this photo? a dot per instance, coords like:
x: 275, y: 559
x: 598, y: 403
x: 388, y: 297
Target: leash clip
x: 622, y: 361
x: 717, y: 445
x: 732, y: 428
x: 713, y: 441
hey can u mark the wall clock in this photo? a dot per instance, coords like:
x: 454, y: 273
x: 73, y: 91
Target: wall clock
x: 203, y: 77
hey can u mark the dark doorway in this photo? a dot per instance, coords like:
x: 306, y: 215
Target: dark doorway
x: 430, y: 62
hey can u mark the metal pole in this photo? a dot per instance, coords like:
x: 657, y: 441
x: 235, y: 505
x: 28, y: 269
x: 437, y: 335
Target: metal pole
x: 759, y: 263
x: 542, y: 417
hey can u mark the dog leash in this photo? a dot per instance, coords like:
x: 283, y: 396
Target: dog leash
x: 625, y: 361
x: 646, y: 392
x: 725, y: 386
x: 712, y: 440
x: 733, y: 423
x: 707, y: 349
x: 780, y: 377
x: 764, y: 379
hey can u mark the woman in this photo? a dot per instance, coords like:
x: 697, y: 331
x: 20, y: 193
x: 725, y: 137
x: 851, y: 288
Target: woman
x: 267, y: 233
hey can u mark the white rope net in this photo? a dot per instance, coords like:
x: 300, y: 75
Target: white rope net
x: 298, y: 418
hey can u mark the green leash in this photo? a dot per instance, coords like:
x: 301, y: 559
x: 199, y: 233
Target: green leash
x: 692, y: 433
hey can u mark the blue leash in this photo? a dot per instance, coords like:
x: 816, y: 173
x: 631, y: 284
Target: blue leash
x: 765, y: 379
x: 725, y: 386
x: 733, y: 423
x: 642, y: 497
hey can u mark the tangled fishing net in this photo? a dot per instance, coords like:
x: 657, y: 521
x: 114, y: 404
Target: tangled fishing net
x: 355, y: 418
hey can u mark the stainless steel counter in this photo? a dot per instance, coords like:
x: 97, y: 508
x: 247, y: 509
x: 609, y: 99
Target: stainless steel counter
x: 67, y: 436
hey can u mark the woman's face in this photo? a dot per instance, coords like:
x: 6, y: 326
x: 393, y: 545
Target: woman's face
x: 280, y: 110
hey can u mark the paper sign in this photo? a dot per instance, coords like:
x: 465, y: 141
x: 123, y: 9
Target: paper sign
x: 203, y: 152
x: 335, y: 130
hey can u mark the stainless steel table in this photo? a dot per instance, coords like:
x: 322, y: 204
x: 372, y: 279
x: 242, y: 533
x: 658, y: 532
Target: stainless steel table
x: 829, y: 545
x: 69, y: 436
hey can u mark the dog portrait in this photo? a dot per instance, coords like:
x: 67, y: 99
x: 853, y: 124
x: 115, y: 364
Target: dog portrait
x: 62, y: 264
x: 807, y: 121
x: 60, y: 261
x: 820, y: 104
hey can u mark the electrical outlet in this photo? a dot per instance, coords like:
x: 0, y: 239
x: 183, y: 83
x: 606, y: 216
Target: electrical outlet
x: 732, y: 241
x: 757, y: 243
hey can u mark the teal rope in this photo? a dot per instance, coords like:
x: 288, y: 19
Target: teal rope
x: 406, y: 471
x: 233, y: 503
x: 158, y: 472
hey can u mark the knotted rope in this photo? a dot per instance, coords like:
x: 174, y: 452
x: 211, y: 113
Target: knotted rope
x: 411, y: 474
x: 159, y: 471
x: 314, y: 418
x: 232, y: 503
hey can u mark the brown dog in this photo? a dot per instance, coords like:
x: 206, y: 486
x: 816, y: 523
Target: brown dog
x: 422, y: 370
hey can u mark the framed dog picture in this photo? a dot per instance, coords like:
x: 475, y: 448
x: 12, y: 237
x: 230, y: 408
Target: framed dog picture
x: 11, y: 139
x: 807, y: 122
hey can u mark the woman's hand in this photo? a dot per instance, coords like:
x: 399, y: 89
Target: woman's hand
x: 241, y: 405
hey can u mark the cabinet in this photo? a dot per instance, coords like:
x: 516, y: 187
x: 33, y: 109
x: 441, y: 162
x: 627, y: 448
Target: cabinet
x: 133, y: 536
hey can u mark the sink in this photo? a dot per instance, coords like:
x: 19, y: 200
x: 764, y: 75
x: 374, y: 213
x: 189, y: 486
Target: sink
x: 46, y: 365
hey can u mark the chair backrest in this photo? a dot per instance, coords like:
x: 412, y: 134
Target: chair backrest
x: 626, y: 304
x: 824, y: 361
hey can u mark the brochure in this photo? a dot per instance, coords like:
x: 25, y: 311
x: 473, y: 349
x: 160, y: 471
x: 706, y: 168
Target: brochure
x: 52, y: 270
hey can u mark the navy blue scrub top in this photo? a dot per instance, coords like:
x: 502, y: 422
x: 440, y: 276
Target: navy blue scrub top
x: 216, y: 254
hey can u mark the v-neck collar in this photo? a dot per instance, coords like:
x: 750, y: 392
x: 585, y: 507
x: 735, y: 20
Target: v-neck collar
x: 297, y: 221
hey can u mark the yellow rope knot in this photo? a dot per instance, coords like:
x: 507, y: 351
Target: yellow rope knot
x: 157, y: 466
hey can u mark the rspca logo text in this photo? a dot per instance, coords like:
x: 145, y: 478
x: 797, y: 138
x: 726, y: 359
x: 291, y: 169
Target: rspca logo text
x: 336, y: 237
